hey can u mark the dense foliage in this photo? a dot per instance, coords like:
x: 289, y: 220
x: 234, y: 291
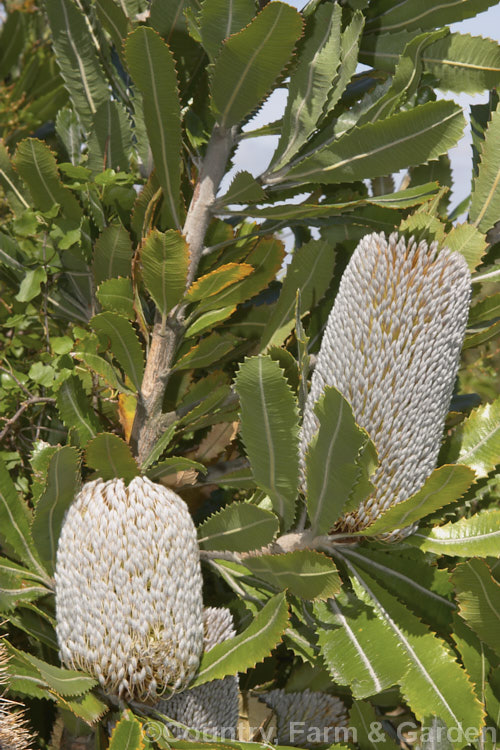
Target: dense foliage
x: 147, y: 327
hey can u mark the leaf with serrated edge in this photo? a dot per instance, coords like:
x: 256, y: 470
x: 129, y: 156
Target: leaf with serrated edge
x: 269, y: 429
x: 152, y: 67
x: 88, y: 707
x: 331, y: 460
x: 349, y: 48
x: 219, y: 19
x: 111, y: 457
x: 113, y: 254
x: 477, y: 536
x: 208, y: 320
x: 110, y: 139
x: 306, y: 573
x: 209, y: 350
x: 75, y: 410
x: 480, y: 439
x: 159, y: 447
x: 66, y: 682
x: 127, y: 734
x: 478, y: 596
x: 124, y: 343
x: 215, y: 281
x: 165, y: 262
x: 485, y: 203
x: 427, y: 14
x: 117, y: 295
x: 175, y: 464
x: 239, y: 527
x: 61, y: 488
x: 443, y: 486
x: 467, y: 240
x: 248, y: 648
x: 243, y: 189
x: 251, y: 60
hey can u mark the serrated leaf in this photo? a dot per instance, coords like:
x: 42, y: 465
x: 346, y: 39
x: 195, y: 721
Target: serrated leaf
x: 485, y: 310
x: 485, y: 203
x: 214, y: 282
x: 251, y: 60
x: 331, y: 460
x: 111, y: 457
x: 159, y: 447
x: 310, y: 271
x: 248, y: 648
x: 208, y: 320
x: 433, y: 683
x: 175, y: 465
x: 479, y: 438
x: 477, y: 536
x: 37, y: 165
x: 445, y: 485
x: 354, y: 646
x: 383, y: 17
x: 113, y: 254
x: 65, y: 682
x: 124, y: 344
x: 127, y: 734
x: 362, y: 718
x: 110, y: 139
x: 210, y: 349
x: 152, y: 67
x: 69, y: 130
x: 75, y: 410
x: 219, y: 19
x: 310, y: 81
x: 478, y: 596
x: 87, y: 707
x: 481, y: 336
x: 375, y: 149
x: 77, y: 58
x: 467, y: 240
x: 117, y: 295
x: 239, y: 527
x: 165, y: 262
x: 10, y: 182
x: 12, y: 40
x: 464, y: 63
x: 305, y: 573
x: 62, y: 485
x: 103, y: 368
x: 243, y: 189
x: 269, y: 429
x: 114, y: 20
x: 24, y: 677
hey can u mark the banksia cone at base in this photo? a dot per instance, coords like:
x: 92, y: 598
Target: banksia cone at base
x: 128, y: 588
x: 318, y: 718
x: 14, y: 732
x: 211, y: 708
x: 391, y: 346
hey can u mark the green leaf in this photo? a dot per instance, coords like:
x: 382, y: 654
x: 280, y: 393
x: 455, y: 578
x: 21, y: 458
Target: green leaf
x: 479, y: 438
x: 77, y: 58
x: 243, y: 189
x: 174, y: 464
x: 127, y: 734
x: 354, y: 645
x: 217, y: 280
x: 478, y: 596
x: 66, y: 682
x: 37, y: 165
x: 443, y: 486
x: 104, y: 369
x: 433, y: 684
x: 165, y: 262
x: 24, y: 677
x: 331, y: 460
x: 467, y: 240
x: 87, y: 707
x: 159, y: 447
x: 9, y: 179
x: 248, y: 648
x: 69, y: 130
x: 311, y: 271
x: 63, y: 483
x: 152, y: 67
x: 477, y: 536
x: 124, y: 344
x: 210, y: 349
x: 362, y: 720
x: 117, y: 295
x: 269, y: 429
x: 219, y: 19
x: 114, y: 20
x: 12, y: 40
x: 485, y: 204
x: 375, y: 149
x: 31, y: 284
x: 251, y: 61
x: 110, y: 139
x: 308, y: 574
x: 486, y: 309
x: 464, y: 63
x: 385, y: 17
x: 111, y: 457
x: 238, y: 527
x: 113, y: 254
x: 349, y: 48
x: 310, y: 82
x: 208, y: 320
x: 75, y: 409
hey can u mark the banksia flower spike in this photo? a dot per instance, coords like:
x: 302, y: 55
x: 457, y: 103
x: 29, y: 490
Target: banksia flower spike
x: 391, y: 346
x: 211, y: 708
x: 14, y: 732
x: 307, y: 718
x: 128, y: 588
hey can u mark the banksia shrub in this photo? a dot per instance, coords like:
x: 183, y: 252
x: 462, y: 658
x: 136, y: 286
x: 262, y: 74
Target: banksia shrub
x: 307, y: 718
x: 211, y: 708
x: 128, y: 588
x: 391, y: 346
x: 14, y: 732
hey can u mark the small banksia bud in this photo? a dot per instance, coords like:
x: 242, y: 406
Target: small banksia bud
x: 211, y: 708
x: 14, y: 732
x: 128, y: 588
x: 307, y: 718
x: 391, y: 346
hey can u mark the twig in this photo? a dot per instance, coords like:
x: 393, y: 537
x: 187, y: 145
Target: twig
x: 25, y: 405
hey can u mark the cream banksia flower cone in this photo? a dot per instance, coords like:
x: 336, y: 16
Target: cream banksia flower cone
x: 211, y: 708
x: 391, y: 346
x: 129, y: 588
